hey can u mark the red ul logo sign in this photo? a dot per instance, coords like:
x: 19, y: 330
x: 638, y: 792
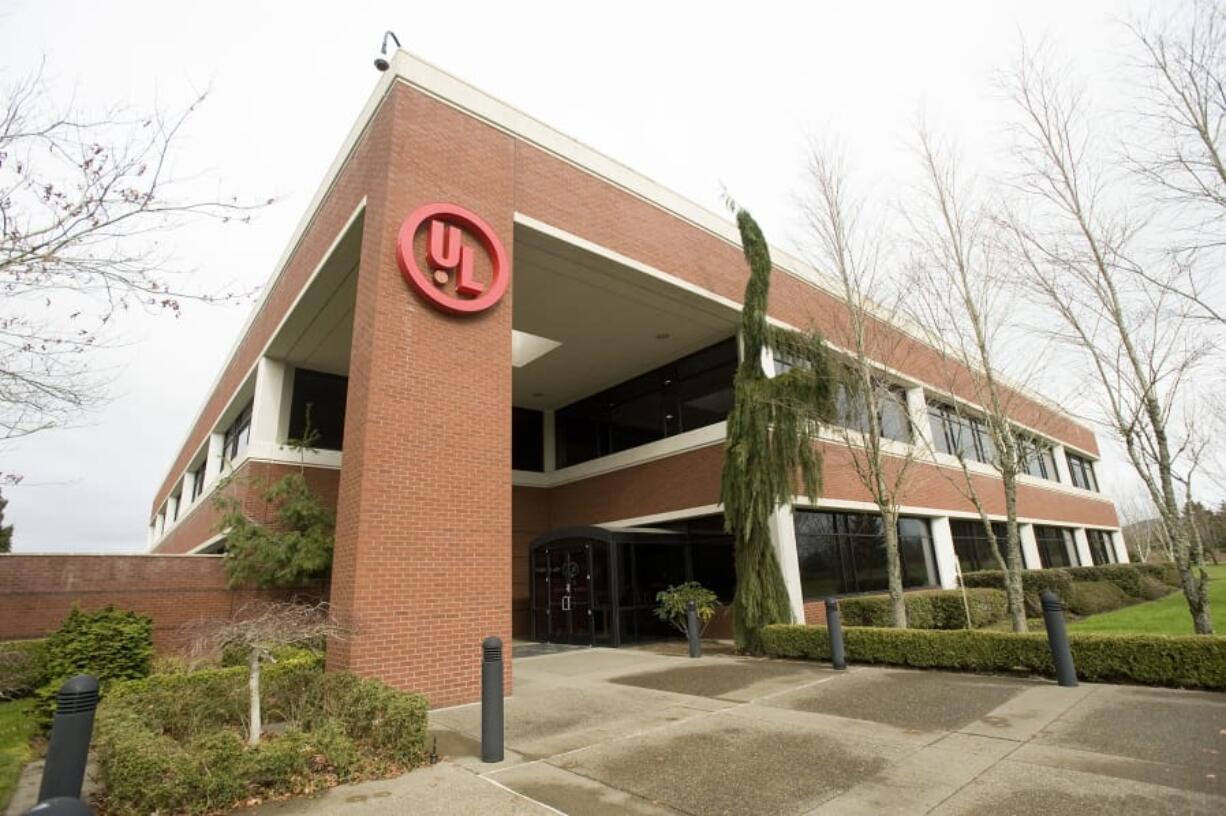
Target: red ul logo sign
x: 449, y: 259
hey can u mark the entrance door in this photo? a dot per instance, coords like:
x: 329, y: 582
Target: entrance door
x: 562, y: 593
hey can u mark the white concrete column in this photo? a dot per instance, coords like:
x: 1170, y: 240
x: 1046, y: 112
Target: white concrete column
x: 189, y: 487
x: 943, y: 550
x: 270, y: 383
x: 213, y: 459
x: 921, y: 428
x: 1030, y: 547
x: 1081, y: 542
x: 1061, y: 456
x: 1121, y: 549
x: 550, y: 457
x: 159, y: 526
x: 783, y: 534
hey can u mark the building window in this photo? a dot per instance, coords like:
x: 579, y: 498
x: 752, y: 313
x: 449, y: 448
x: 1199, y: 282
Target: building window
x: 845, y: 552
x: 892, y: 416
x: 1056, y: 548
x: 527, y: 439
x: 1101, y: 549
x: 972, y: 547
x: 1039, y: 460
x: 197, y: 482
x: 238, y: 435
x: 954, y: 433
x: 325, y: 395
x: 690, y: 393
x: 1081, y: 472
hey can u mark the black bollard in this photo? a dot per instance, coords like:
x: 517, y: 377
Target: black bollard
x: 491, y: 700
x: 60, y: 806
x: 1057, y: 639
x: 71, y: 728
x: 834, y: 625
x: 691, y: 629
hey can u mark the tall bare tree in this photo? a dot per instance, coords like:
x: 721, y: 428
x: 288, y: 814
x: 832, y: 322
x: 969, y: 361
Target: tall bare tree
x: 962, y: 299
x: 84, y: 200
x: 1084, y: 254
x: 868, y: 400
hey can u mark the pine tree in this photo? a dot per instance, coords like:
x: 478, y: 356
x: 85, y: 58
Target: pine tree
x: 770, y: 443
x: 6, y: 531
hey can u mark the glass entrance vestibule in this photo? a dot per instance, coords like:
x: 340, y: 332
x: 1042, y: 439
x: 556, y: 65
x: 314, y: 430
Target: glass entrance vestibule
x: 597, y: 586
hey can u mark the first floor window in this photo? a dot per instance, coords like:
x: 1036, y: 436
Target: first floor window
x: 1101, y: 549
x: 1056, y: 547
x: 972, y: 547
x: 842, y: 553
x: 237, y: 435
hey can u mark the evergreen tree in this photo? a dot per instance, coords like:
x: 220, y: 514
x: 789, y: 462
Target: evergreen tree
x: 770, y: 443
x: 6, y: 531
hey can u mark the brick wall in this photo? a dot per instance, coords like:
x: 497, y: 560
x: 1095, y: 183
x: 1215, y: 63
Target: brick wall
x: 38, y: 591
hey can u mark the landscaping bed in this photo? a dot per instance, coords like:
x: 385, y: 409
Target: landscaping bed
x: 1168, y: 616
x: 173, y: 743
x: 1191, y: 661
x: 1086, y: 590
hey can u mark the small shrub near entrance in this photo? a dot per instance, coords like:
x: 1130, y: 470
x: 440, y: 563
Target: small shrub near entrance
x: 173, y: 742
x: 936, y: 609
x: 1185, y: 661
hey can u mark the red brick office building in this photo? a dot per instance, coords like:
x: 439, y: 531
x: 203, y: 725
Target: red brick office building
x: 519, y: 355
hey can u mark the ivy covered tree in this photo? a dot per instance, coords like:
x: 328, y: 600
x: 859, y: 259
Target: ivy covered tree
x: 770, y: 447
x: 6, y: 530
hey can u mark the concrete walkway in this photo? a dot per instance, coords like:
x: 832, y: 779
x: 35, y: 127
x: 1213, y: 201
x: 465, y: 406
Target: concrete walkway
x: 609, y: 732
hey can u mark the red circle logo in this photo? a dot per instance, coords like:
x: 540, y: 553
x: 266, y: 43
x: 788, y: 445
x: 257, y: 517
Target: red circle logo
x: 449, y: 260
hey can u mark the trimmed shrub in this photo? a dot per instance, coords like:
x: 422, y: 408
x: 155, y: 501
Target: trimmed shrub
x: 935, y: 609
x: 1092, y: 597
x: 23, y: 667
x: 111, y: 644
x: 1184, y: 661
x: 1152, y: 589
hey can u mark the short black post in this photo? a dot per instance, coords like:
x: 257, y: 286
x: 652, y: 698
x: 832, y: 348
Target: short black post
x: 691, y: 629
x: 834, y: 625
x: 491, y: 700
x: 1057, y: 639
x: 60, y: 806
x: 71, y: 728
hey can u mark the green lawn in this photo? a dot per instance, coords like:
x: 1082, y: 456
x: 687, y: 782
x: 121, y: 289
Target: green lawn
x: 1168, y: 616
x: 17, y: 726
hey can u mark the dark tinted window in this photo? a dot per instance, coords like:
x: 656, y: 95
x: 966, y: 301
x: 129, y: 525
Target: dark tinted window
x: 972, y: 547
x: 1101, y: 549
x: 237, y: 435
x: 527, y: 439
x: 325, y: 395
x: 845, y: 552
x: 690, y: 393
x: 1055, y: 545
x: 1081, y: 472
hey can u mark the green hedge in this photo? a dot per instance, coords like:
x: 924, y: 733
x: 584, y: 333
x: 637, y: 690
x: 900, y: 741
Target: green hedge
x: 172, y: 742
x: 1092, y: 597
x: 23, y: 667
x: 935, y: 609
x: 1137, y: 582
x: 1185, y: 661
x: 110, y: 644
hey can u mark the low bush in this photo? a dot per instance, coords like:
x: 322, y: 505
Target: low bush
x: 1136, y: 582
x: 1152, y: 589
x: 172, y: 743
x: 937, y: 609
x: 1185, y: 661
x: 23, y: 666
x: 110, y: 644
x: 1092, y: 597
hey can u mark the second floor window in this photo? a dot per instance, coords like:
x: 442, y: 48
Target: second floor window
x: 197, y: 482
x: 238, y: 435
x: 1039, y: 460
x: 956, y: 434
x: 1081, y: 472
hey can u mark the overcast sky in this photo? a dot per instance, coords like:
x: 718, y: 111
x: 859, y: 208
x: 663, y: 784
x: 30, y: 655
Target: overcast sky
x: 698, y: 96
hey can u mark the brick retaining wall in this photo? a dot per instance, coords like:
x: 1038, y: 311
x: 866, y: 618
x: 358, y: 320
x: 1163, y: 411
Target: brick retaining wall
x: 38, y: 591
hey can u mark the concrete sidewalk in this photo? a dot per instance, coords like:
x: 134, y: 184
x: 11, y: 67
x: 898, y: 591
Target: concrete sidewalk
x: 621, y: 731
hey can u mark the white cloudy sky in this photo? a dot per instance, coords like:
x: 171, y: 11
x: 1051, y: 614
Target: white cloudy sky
x: 696, y: 95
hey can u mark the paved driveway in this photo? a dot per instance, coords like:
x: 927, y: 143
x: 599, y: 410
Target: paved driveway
x: 609, y: 732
